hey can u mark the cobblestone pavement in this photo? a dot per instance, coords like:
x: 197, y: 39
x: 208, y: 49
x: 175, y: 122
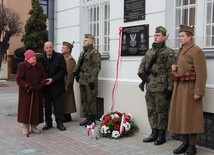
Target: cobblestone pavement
x: 73, y: 141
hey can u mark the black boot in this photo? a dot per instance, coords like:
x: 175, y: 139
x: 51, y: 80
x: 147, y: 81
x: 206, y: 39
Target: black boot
x: 67, y: 118
x: 153, y: 137
x: 181, y: 149
x: 191, y: 150
x: 91, y: 120
x: 60, y: 126
x: 48, y: 125
x: 85, y: 122
x: 161, y: 137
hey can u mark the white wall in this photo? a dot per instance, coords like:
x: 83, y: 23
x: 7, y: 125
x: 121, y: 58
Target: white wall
x: 128, y: 97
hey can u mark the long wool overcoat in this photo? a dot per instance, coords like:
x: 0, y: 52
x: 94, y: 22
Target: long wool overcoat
x: 69, y: 105
x: 186, y: 114
x: 28, y: 75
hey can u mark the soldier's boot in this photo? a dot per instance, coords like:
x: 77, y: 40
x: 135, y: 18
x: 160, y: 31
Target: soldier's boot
x: 153, y: 136
x: 25, y: 129
x: 85, y: 122
x: 161, y: 137
x: 191, y: 150
x: 92, y: 119
x: 181, y: 149
x: 34, y: 129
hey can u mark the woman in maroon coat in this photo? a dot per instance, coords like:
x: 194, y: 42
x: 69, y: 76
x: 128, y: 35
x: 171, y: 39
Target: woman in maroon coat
x: 31, y: 79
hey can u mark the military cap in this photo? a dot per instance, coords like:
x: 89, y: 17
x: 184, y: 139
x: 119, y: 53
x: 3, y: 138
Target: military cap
x: 69, y: 45
x: 185, y: 28
x: 90, y: 36
x: 161, y: 29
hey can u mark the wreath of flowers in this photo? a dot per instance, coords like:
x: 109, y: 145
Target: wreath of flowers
x: 117, y: 124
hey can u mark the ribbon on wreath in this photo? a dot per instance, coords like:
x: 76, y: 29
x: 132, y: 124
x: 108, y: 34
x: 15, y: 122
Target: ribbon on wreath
x: 90, y: 128
x: 117, y: 67
x: 122, y: 127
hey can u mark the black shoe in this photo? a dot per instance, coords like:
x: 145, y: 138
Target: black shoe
x: 191, y: 150
x: 85, y: 122
x: 47, y: 126
x: 153, y: 137
x: 67, y: 118
x: 161, y: 137
x: 181, y: 149
x: 61, y: 127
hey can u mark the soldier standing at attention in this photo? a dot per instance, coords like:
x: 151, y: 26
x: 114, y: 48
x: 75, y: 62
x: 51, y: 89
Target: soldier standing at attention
x: 69, y: 104
x: 86, y: 74
x: 155, y: 68
x: 186, y: 109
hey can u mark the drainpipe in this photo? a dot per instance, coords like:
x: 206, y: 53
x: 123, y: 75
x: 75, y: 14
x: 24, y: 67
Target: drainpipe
x: 51, y: 20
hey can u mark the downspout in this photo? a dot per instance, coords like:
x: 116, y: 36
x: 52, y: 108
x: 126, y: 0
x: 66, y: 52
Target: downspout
x: 51, y: 20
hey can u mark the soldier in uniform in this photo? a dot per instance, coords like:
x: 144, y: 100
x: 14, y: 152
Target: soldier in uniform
x: 86, y: 74
x: 190, y: 74
x: 159, y: 85
x: 69, y: 104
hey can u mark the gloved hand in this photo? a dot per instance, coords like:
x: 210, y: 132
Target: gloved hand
x: 31, y: 89
x: 168, y: 94
x: 91, y: 85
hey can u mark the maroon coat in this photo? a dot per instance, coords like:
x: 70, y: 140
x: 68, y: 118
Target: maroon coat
x: 35, y: 76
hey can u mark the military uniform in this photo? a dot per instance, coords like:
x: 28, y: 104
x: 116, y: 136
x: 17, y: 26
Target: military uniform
x: 159, y: 84
x: 88, y: 67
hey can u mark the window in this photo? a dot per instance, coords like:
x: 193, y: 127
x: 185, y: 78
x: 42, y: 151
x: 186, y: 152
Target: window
x: 184, y: 14
x: 197, y: 13
x: 96, y: 14
x: 209, y: 24
x: 44, y: 5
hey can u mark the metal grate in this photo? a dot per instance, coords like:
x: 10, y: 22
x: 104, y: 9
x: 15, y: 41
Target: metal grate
x: 207, y: 138
x: 100, y: 108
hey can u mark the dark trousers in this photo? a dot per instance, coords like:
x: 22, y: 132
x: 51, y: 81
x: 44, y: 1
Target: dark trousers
x: 56, y: 103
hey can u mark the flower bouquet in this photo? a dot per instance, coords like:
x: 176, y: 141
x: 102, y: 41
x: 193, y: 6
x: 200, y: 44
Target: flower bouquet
x: 117, y: 124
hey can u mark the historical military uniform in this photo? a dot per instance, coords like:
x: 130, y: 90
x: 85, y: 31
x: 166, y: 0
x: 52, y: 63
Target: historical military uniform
x: 158, y: 86
x: 87, y: 68
x: 186, y: 113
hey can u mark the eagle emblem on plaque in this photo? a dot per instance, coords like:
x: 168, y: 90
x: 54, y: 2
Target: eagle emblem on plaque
x: 133, y: 41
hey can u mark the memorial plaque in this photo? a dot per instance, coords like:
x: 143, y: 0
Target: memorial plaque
x: 134, y: 10
x: 135, y: 40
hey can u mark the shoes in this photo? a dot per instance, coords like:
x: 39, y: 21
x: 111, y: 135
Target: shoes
x: 34, y: 129
x: 191, y: 150
x: 161, y: 137
x: 85, y: 122
x: 181, y: 149
x: 67, y: 118
x: 153, y: 137
x: 47, y: 126
x: 61, y: 127
x: 25, y: 129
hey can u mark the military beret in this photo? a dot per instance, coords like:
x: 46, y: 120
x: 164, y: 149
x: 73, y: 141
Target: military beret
x: 69, y: 45
x: 90, y: 36
x: 185, y: 28
x: 160, y: 29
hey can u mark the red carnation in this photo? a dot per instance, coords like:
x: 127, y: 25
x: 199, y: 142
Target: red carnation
x: 115, y: 119
x: 105, y: 122
x: 107, y: 118
x: 116, y: 127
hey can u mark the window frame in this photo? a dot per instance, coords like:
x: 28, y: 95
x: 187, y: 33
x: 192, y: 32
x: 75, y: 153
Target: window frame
x: 93, y: 12
x: 200, y: 27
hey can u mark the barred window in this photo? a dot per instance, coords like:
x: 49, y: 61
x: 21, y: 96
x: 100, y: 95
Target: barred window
x: 96, y: 14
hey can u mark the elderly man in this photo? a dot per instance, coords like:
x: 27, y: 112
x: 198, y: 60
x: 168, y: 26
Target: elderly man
x: 55, y: 67
x: 86, y: 73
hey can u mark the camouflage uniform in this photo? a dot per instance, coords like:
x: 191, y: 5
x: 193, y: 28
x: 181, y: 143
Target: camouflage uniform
x: 157, y: 86
x: 88, y: 78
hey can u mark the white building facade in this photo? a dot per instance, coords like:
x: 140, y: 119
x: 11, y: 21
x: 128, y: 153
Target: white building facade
x: 103, y: 18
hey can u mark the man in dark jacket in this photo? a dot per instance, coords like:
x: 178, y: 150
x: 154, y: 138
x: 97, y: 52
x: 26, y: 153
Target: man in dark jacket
x: 55, y: 67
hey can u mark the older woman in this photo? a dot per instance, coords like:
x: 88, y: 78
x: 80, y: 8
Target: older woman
x: 31, y: 78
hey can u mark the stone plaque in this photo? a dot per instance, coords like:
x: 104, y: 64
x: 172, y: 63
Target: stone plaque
x: 135, y: 40
x: 134, y: 10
